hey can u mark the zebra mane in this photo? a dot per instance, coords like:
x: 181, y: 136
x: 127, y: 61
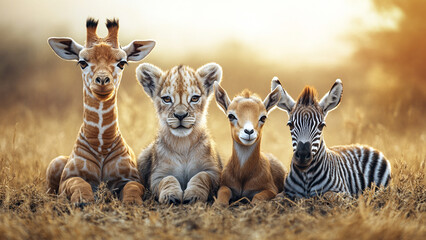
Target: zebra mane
x: 308, y: 96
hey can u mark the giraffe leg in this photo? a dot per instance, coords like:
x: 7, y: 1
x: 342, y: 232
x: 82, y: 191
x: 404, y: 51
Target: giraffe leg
x: 170, y: 190
x: 77, y: 190
x: 223, y: 196
x: 198, y: 188
x: 264, y: 196
x: 54, y: 172
x: 132, y: 192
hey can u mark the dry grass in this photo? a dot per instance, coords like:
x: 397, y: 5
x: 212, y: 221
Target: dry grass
x: 28, y: 143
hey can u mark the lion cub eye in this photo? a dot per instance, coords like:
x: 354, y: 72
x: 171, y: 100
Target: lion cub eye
x: 195, y: 98
x: 166, y: 99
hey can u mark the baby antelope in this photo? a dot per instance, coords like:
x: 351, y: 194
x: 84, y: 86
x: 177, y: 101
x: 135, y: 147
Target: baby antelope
x: 249, y: 173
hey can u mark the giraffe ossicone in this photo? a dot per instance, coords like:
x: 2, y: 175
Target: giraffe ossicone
x: 100, y: 153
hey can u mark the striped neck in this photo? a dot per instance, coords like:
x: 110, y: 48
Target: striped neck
x: 100, y: 126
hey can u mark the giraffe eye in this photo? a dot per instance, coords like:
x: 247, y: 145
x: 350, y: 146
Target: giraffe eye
x: 83, y: 64
x: 121, y: 64
x: 321, y: 126
x: 290, y: 124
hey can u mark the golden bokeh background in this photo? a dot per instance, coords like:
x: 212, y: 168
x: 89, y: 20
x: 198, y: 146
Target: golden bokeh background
x: 377, y: 48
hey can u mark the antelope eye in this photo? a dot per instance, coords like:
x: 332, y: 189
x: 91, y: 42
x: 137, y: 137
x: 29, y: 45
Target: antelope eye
x: 195, y: 98
x: 321, y: 126
x: 231, y: 117
x: 121, y: 64
x: 262, y: 119
x: 290, y: 124
x: 167, y: 99
x: 83, y: 64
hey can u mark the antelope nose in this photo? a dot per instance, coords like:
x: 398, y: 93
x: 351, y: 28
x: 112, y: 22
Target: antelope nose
x: 102, y: 80
x: 180, y: 116
x: 249, y: 132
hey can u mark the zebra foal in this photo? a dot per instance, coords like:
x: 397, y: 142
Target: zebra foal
x: 316, y: 169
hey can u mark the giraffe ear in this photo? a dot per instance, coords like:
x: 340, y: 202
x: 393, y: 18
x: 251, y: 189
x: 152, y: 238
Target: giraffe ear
x: 137, y: 50
x: 209, y: 73
x: 148, y: 76
x: 65, y: 48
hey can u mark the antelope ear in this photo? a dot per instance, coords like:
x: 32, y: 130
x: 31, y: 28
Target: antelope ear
x: 65, y: 48
x: 332, y: 99
x: 286, y: 102
x: 272, y: 99
x: 221, y: 96
x: 137, y: 50
x: 148, y: 76
x: 208, y: 74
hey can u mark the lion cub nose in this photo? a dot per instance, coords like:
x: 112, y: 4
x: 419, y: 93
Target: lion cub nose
x: 180, y: 116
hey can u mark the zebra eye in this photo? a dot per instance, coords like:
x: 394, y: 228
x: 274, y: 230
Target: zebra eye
x: 290, y: 124
x: 321, y: 126
x: 231, y: 117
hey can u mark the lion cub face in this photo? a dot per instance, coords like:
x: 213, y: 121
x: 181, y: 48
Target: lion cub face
x: 180, y: 94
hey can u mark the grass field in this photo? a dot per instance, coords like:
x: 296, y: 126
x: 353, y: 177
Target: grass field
x: 383, y: 105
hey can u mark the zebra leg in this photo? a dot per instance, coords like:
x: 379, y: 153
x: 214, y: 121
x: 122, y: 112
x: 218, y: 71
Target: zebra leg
x: 54, y: 172
x: 264, y: 196
x: 223, y: 196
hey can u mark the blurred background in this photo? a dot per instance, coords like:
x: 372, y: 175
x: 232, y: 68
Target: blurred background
x: 377, y: 48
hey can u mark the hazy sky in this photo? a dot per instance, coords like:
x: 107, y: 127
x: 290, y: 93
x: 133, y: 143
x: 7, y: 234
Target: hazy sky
x: 307, y: 31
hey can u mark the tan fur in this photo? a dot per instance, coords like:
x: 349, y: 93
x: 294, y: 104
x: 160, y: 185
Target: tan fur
x: 181, y: 165
x: 100, y: 153
x: 249, y: 172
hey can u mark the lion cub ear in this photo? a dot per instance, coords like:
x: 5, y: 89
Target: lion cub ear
x: 148, y: 76
x: 208, y: 74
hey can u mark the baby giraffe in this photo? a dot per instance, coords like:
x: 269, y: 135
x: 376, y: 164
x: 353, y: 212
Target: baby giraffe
x: 100, y: 153
x: 249, y: 173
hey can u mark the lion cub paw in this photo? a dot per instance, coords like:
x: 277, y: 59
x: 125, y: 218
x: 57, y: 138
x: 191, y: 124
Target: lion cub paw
x: 169, y: 197
x: 192, y: 195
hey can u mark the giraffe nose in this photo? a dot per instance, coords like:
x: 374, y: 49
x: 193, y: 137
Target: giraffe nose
x: 102, y: 80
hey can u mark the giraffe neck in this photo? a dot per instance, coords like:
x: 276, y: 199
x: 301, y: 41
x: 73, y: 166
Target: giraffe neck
x: 100, y: 125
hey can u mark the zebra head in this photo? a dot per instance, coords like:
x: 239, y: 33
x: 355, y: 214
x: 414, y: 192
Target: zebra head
x: 307, y: 119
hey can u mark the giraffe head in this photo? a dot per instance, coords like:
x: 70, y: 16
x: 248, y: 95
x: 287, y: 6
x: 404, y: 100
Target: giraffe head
x: 307, y: 119
x: 101, y: 60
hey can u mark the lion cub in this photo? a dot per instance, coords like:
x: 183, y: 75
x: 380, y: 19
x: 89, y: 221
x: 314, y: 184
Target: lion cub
x: 249, y: 172
x: 181, y: 165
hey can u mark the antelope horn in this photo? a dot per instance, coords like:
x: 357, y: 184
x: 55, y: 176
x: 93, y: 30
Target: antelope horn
x: 112, y: 37
x: 92, y: 37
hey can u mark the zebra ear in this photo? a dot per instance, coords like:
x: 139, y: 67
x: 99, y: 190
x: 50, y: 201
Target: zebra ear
x: 332, y: 99
x: 286, y: 102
